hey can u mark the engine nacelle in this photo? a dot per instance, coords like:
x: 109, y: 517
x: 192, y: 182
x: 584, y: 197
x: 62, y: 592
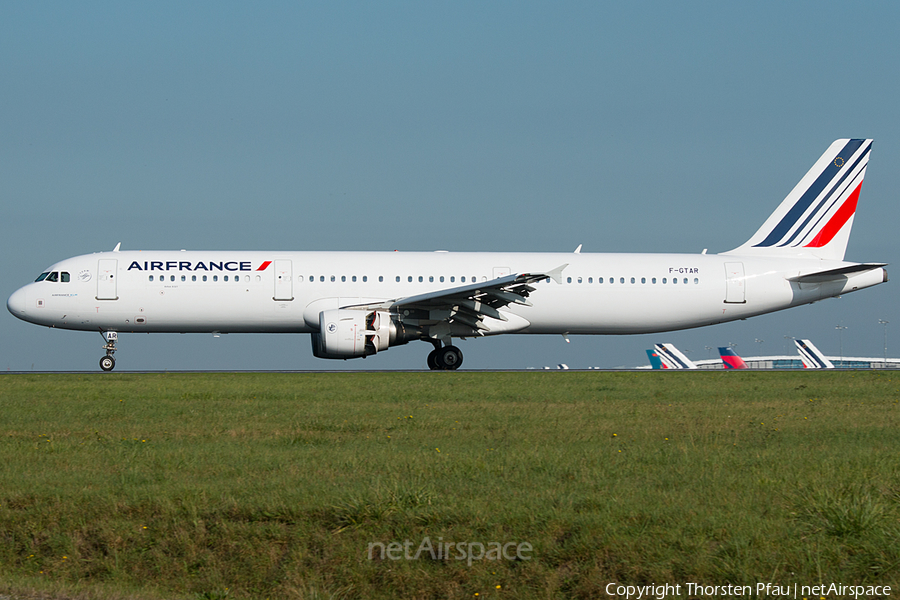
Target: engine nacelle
x: 348, y: 333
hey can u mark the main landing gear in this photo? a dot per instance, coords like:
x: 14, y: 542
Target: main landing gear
x: 108, y: 363
x: 447, y: 358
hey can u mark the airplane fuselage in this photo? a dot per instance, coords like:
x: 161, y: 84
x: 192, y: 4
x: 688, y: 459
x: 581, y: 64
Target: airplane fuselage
x: 284, y: 292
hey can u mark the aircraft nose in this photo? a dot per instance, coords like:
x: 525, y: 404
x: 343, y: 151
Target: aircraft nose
x: 16, y: 303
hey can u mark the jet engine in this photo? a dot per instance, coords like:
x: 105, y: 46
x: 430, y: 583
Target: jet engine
x: 349, y: 333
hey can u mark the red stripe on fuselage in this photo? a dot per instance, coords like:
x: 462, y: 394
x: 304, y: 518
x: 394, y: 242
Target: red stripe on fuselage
x: 264, y: 266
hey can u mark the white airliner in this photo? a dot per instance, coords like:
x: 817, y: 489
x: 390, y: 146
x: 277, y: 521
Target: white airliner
x: 356, y: 304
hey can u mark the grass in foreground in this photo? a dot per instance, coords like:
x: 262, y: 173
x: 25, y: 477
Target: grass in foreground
x: 276, y: 485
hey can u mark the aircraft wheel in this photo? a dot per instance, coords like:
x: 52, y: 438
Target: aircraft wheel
x: 107, y: 363
x: 432, y: 360
x: 449, y: 358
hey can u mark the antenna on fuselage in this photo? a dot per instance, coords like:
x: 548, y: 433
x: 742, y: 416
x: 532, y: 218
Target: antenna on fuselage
x: 116, y: 249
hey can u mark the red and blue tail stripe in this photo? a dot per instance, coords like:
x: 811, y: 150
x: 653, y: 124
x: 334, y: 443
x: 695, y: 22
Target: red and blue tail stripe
x: 730, y: 359
x: 820, y: 207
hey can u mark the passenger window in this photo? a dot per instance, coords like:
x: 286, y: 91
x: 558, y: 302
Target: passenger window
x: 653, y: 280
x: 643, y: 280
x: 685, y: 281
x: 632, y: 280
x: 431, y: 279
x: 204, y: 278
x: 171, y: 278
x: 409, y: 279
x: 696, y: 281
x: 579, y: 280
x: 463, y: 279
x: 215, y: 277
x: 568, y: 280
x: 599, y: 280
x: 398, y: 279
x: 664, y: 279
x: 674, y: 280
x: 184, y: 278
x: 151, y: 278
x: 621, y: 280
x: 452, y: 278
x: 420, y: 279
x: 442, y: 279
x: 193, y: 278
x: 590, y: 280
x: 353, y: 279
x: 300, y: 278
x: 343, y: 279
x: 332, y: 278
x: 225, y: 278
x: 322, y: 278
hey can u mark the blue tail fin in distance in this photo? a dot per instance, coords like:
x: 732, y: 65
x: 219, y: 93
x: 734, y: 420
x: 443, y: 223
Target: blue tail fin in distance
x: 811, y: 356
x: 814, y: 220
x: 655, y: 362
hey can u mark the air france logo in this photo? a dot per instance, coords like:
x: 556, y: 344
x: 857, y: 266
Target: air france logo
x: 188, y: 265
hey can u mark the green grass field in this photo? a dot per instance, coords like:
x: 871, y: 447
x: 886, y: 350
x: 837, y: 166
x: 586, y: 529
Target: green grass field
x: 204, y: 486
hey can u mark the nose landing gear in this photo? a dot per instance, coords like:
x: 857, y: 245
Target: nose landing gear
x: 108, y: 363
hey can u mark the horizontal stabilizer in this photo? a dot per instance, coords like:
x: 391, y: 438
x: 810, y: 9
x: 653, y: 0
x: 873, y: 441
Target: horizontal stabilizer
x: 836, y: 274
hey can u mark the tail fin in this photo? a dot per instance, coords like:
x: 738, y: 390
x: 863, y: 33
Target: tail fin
x: 730, y: 359
x: 655, y: 361
x: 672, y: 358
x: 811, y: 356
x: 814, y: 220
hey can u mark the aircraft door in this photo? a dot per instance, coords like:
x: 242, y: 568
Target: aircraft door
x: 284, y: 289
x: 735, y: 292
x: 106, y: 279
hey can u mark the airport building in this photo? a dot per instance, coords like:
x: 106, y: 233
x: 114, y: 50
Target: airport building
x: 794, y: 362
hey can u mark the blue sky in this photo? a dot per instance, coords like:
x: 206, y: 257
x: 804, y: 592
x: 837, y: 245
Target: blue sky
x: 637, y: 127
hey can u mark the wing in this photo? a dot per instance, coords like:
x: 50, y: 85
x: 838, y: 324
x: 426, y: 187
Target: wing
x: 468, y: 310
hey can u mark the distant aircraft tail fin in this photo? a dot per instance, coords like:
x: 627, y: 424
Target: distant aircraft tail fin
x: 811, y: 356
x: 655, y: 361
x: 814, y: 220
x: 730, y: 359
x: 672, y: 358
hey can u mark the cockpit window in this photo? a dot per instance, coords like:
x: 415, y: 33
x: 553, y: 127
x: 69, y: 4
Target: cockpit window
x: 64, y: 277
x: 54, y: 276
x: 41, y: 277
